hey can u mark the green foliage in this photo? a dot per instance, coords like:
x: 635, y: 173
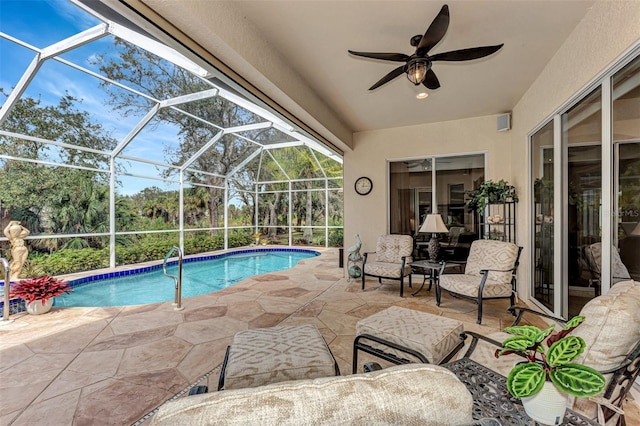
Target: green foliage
x: 336, y: 238
x: 526, y: 379
x: 490, y: 192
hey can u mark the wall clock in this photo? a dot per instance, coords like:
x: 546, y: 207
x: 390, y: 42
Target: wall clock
x: 363, y: 185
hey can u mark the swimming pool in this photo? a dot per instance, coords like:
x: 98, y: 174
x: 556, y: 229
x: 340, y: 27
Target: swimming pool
x: 200, y: 275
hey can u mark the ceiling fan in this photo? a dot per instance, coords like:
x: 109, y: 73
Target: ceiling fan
x: 418, y: 66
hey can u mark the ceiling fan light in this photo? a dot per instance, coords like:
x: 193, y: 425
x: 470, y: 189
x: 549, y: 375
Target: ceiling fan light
x: 417, y: 71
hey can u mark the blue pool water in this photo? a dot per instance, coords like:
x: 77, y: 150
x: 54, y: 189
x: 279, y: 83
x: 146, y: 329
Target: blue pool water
x: 198, y: 277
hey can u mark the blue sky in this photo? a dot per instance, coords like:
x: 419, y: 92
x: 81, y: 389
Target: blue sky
x: 41, y: 23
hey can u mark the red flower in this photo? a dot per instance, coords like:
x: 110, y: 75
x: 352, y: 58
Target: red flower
x: 40, y: 288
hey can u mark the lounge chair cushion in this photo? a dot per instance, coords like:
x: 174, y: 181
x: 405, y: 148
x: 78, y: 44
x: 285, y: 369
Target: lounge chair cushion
x: 276, y: 354
x: 612, y: 326
x: 432, y: 335
x: 469, y: 284
x: 391, y: 248
x: 490, y: 254
x: 419, y: 394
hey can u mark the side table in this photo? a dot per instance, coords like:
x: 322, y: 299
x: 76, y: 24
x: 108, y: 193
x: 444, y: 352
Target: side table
x: 426, y: 268
x: 491, y: 399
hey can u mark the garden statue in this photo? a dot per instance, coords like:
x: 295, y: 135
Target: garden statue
x: 16, y: 234
x: 354, y: 251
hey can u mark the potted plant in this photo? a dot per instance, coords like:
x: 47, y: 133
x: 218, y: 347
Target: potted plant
x: 490, y: 192
x: 543, y: 381
x: 38, y: 293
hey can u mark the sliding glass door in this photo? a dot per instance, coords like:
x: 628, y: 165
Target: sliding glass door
x: 585, y: 209
x: 421, y: 186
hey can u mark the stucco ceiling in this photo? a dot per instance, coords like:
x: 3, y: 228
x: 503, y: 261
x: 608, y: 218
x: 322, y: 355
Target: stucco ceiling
x: 313, y: 38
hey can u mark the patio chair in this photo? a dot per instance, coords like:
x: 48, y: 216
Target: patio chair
x: 490, y: 273
x: 392, y: 259
x: 593, y: 254
x: 611, y: 332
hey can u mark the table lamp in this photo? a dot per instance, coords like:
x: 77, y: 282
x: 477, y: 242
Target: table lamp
x: 435, y: 225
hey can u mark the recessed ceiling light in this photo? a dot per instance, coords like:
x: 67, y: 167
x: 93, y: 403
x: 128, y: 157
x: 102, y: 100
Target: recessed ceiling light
x: 422, y: 95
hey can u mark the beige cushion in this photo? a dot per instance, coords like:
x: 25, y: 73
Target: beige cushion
x: 384, y: 269
x: 415, y: 394
x: 490, y: 254
x: 269, y: 355
x: 391, y: 248
x: 431, y: 335
x: 469, y: 285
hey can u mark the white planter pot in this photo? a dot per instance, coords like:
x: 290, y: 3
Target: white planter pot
x: 37, y: 308
x: 547, y: 406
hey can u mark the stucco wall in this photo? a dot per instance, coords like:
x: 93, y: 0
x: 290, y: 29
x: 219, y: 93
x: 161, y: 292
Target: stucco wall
x: 369, y: 215
x: 608, y: 30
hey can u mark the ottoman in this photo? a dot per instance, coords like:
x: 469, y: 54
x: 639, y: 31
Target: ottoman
x: 277, y: 354
x: 401, y: 336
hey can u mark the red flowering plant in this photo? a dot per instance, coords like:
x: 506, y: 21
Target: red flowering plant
x: 39, y: 288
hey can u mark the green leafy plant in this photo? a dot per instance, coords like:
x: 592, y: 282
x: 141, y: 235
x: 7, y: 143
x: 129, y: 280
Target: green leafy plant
x: 39, y: 288
x: 552, y: 364
x: 490, y: 192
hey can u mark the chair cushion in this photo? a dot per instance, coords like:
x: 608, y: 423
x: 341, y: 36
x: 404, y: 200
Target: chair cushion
x: 418, y: 394
x: 612, y: 326
x: 490, y: 254
x: 469, y: 284
x: 384, y: 269
x: 268, y: 355
x: 391, y: 248
x: 432, y: 335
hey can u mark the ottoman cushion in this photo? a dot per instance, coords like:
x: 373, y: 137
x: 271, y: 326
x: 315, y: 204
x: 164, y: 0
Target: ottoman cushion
x: 432, y: 335
x: 269, y: 355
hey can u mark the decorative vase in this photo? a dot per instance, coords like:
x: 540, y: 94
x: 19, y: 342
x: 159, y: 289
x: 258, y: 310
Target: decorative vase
x: 547, y: 406
x: 37, y: 308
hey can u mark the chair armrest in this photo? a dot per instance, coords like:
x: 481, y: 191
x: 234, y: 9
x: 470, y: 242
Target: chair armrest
x: 484, y: 271
x: 475, y: 337
x: 519, y: 311
x: 449, y: 263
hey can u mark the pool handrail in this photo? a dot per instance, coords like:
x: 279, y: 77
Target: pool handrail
x: 176, y: 280
x: 7, y: 285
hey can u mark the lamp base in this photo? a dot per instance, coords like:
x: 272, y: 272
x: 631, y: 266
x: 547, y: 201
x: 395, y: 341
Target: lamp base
x: 433, y: 248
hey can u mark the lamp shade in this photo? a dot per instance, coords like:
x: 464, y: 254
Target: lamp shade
x: 434, y: 224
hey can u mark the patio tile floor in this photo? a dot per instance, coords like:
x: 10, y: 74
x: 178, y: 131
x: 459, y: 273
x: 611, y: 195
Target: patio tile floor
x: 114, y: 366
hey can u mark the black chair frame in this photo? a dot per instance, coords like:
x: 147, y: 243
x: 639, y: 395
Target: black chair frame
x: 359, y: 343
x: 380, y: 277
x: 479, y: 299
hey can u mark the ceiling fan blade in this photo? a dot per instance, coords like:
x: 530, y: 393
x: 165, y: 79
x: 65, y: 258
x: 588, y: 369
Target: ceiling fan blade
x: 397, y: 57
x: 430, y: 80
x: 466, y: 54
x: 387, y: 78
x: 435, y: 32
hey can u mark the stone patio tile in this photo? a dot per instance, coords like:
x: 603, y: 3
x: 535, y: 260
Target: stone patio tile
x: 69, y: 381
x: 55, y: 411
x: 311, y: 309
x: 343, y: 306
x: 245, y: 311
x: 205, y: 312
x: 277, y: 305
x: 119, y: 403
x: 170, y: 380
x: 20, y: 385
x: 208, y: 330
x: 203, y: 358
x: 74, y: 341
x: 141, y: 321
x: 341, y: 324
x: 154, y: 356
x: 107, y: 340
x: 266, y: 320
x: 13, y: 355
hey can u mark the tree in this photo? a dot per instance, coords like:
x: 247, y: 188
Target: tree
x: 56, y: 199
x: 160, y: 79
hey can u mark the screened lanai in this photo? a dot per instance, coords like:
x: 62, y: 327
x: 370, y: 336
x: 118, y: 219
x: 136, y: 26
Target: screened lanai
x: 115, y: 147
